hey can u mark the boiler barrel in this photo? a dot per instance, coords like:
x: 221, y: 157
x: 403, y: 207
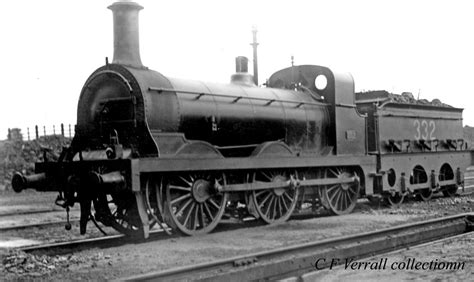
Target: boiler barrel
x: 232, y: 114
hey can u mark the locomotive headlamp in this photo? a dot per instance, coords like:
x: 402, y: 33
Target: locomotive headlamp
x: 320, y: 82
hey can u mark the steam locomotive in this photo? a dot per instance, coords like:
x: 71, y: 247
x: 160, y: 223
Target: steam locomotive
x: 150, y: 149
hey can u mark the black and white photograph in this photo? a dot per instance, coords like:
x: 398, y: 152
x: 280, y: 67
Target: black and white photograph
x: 237, y: 140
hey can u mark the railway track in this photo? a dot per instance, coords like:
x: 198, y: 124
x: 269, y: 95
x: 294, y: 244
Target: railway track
x: 115, y: 240
x: 109, y: 241
x: 36, y: 225
x: 35, y: 218
x: 30, y: 211
x: 297, y: 260
x: 78, y: 245
x: 301, y: 215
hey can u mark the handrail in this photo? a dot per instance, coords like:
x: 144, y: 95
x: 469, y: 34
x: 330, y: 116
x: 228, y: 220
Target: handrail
x: 235, y: 98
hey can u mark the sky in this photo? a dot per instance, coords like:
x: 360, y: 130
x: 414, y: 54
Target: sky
x: 50, y: 47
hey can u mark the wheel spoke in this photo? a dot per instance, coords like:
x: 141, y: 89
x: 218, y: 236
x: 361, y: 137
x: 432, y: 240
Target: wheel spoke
x: 283, y: 201
x: 340, y: 201
x: 189, y: 214
x: 203, y: 219
x: 214, y: 203
x: 269, y: 206
x: 180, y: 188
x: 337, y: 198
x: 340, y: 171
x: 334, y: 194
x: 195, y: 221
x: 288, y: 197
x: 279, y: 206
x: 183, y: 207
x: 265, y: 200
x: 184, y: 197
x: 208, y: 212
x: 351, y: 190
x: 260, y: 193
x: 268, y: 177
x: 159, y: 197
x: 333, y: 187
x: 346, y: 200
x: 274, y: 207
x: 189, y: 183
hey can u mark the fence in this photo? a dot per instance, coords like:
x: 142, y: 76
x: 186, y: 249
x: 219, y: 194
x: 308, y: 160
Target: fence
x: 41, y: 131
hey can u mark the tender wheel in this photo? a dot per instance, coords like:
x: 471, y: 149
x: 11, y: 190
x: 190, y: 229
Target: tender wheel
x: 394, y: 200
x: 447, y: 173
x: 274, y: 205
x: 192, y: 203
x: 425, y: 194
x: 340, y: 198
x: 450, y: 191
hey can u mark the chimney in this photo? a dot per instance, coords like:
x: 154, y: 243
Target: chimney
x: 126, y: 40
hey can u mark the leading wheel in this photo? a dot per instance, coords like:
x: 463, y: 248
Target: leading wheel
x: 274, y: 205
x: 193, y: 205
x: 119, y: 211
x: 340, y: 198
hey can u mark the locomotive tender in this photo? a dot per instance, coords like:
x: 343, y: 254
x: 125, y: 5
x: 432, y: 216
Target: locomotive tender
x: 151, y: 149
